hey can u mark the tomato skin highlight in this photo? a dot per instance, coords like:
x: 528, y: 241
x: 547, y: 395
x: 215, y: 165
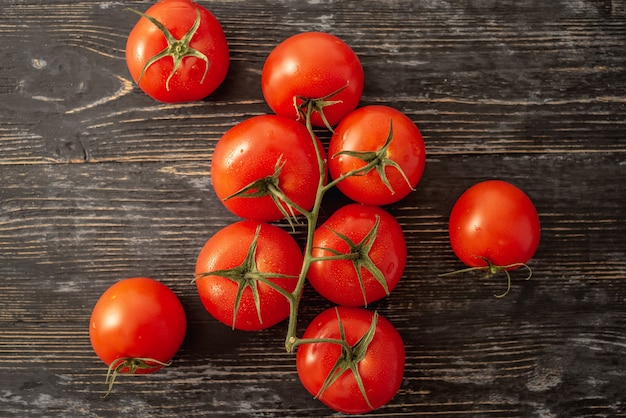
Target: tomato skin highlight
x: 313, y: 65
x: 137, y: 318
x: 250, y: 150
x: 337, y: 280
x: 146, y: 41
x: 277, y: 252
x: 382, y: 369
x: 494, y: 221
x: 367, y: 129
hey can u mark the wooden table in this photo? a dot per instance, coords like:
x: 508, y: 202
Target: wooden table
x: 99, y: 182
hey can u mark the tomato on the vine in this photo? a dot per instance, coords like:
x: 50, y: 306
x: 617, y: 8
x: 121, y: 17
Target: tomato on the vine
x: 242, y: 270
x: 266, y: 168
x: 390, y: 141
x: 313, y: 67
x: 177, y: 51
x: 136, y: 326
x: 360, y: 375
x: 494, y: 223
x: 361, y: 254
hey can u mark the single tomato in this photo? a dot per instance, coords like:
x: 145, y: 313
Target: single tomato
x: 494, y: 223
x: 372, y: 353
x: 386, y: 139
x: 313, y: 67
x: 177, y: 51
x: 266, y: 168
x: 239, y: 271
x: 361, y: 255
x: 137, y: 326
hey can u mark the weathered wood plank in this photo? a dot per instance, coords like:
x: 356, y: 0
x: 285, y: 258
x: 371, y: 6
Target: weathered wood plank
x: 99, y: 182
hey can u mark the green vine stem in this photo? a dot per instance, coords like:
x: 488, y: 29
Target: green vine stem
x: 312, y: 216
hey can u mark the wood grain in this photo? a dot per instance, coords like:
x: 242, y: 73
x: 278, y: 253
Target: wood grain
x: 100, y: 182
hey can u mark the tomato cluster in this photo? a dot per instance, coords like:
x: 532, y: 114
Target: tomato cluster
x: 273, y: 167
x: 250, y: 275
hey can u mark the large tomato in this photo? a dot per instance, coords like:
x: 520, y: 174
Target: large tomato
x: 137, y: 325
x: 233, y: 270
x: 313, y: 66
x: 494, y: 222
x: 387, y: 138
x: 261, y: 158
x: 375, y: 355
x: 177, y: 52
x: 364, y: 255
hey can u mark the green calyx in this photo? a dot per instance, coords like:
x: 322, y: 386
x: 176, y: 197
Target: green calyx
x: 247, y: 275
x: 358, y: 253
x: 305, y: 107
x: 131, y: 365
x: 270, y: 186
x: 350, y: 358
x: 493, y: 269
x: 176, y: 48
x: 379, y: 161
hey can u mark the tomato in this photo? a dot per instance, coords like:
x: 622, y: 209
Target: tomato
x: 243, y: 258
x: 180, y: 55
x: 376, y: 353
x: 494, y: 222
x: 311, y: 66
x: 137, y: 325
x: 389, y: 139
x: 273, y: 152
x: 376, y: 240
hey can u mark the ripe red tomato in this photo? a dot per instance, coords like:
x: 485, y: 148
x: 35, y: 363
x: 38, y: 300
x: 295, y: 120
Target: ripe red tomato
x: 313, y: 65
x: 362, y: 136
x: 376, y: 240
x: 379, y: 358
x: 137, y: 325
x: 177, y: 62
x: 275, y: 253
x: 494, y: 222
x: 251, y: 152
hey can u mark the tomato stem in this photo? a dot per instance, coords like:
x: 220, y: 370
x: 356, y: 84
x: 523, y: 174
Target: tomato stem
x: 300, y: 341
x: 311, y: 220
x: 493, y: 269
x: 312, y: 216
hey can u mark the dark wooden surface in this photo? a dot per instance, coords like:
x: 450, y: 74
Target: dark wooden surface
x: 99, y: 182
